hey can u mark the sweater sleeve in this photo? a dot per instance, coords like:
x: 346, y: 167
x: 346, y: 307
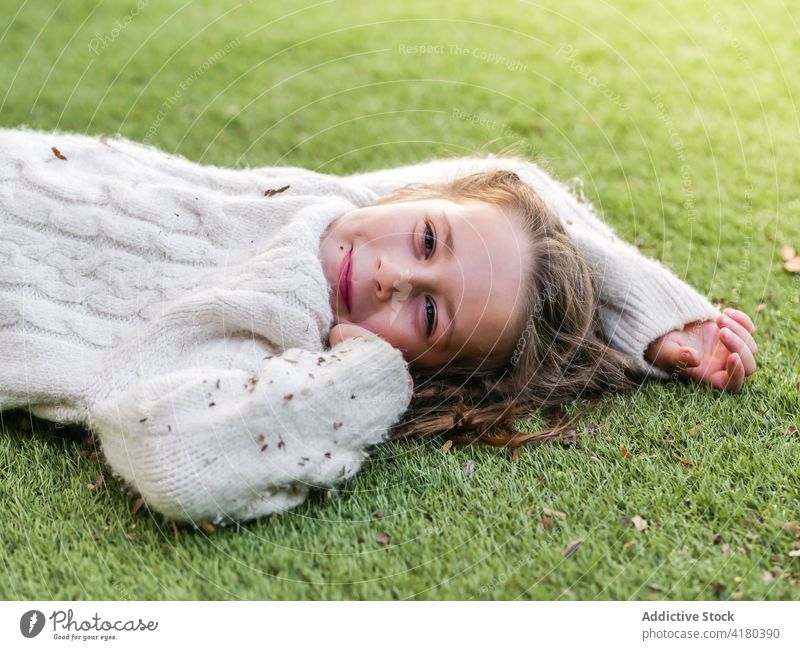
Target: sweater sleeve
x: 640, y: 299
x: 225, y: 444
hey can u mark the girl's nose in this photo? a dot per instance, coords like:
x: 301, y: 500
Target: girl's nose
x: 390, y: 277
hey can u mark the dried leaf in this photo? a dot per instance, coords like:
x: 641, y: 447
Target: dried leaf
x: 767, y: 576
x: 795, y: 553
x: 639, y: 523
x: 625, y: 453
x: 569, y: 437
x: 737, y: 595
x: 207, y: 526
x: 137, y: 505
x: 791, y: 429
x: 547, y: 522
x: 515, y: 456
x: 58, y: 154
x: 469, y: 468
x: 382, y: 538
x: 377, y: 514
x: 572, y: 547
x: 716, y: 539
x: 446, y: 446
x: 760, y: 307
x: 793, y: 265
x: 787, y: 252
x: 555, y: 513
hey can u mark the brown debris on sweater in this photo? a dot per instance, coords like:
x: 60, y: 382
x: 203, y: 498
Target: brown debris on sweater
x: 274, y: 192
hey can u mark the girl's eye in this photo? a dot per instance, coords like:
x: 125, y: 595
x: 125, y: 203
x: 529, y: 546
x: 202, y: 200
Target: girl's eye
x: 430, y: 315
x: 430, y: 236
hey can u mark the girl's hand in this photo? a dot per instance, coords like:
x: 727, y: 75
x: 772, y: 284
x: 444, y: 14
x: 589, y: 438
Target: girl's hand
x: 721, y: 352
x: 344, y: 331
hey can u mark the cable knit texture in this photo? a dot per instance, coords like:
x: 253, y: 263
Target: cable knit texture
x: 183, y: 315
x: 181, y: 312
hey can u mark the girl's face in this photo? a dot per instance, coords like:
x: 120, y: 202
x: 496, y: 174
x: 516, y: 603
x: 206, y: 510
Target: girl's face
x: 438, y: 280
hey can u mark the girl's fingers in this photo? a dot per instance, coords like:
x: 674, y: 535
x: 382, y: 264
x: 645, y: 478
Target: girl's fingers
x: 735, y: 374
x: 673, y: 356
x: 735, y: 344
x: 741, y: 317
x: 731, y: 379
x: 738, y: 329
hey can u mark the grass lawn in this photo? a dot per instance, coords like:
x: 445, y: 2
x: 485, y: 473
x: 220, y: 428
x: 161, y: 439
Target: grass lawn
x: 681, y: 120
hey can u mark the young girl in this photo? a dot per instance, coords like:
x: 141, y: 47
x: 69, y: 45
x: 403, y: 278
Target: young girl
x: 235, y: 337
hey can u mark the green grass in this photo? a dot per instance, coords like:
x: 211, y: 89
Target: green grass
x: 681, y: 120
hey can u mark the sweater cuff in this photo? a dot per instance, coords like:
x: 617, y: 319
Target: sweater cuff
x: 646, y: 311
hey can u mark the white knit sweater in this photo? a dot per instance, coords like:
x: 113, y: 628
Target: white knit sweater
x: 181, y: 312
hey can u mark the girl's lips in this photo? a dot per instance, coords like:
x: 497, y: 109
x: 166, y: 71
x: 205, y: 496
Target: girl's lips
x: 343, y: 280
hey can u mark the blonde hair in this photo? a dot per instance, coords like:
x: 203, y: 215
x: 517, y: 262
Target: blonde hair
x: 561, y: 352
